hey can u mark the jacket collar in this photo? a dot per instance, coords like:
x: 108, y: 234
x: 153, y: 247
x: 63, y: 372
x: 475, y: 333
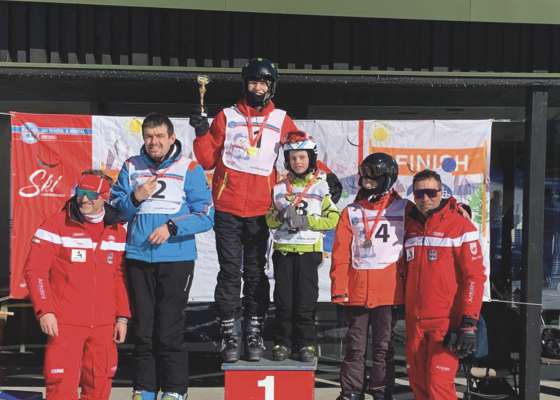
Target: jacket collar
x: 301, y: 180
x: 173, y: 154
x: 446, y: 207
x: 386, y: 199
x: 74, y: 215
x: 247, y: 110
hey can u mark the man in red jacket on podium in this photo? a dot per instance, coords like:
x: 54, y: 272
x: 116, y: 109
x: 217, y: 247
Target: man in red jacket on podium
x: 242, y: 145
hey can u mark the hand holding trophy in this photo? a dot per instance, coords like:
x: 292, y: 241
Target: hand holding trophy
x: 199, y: 120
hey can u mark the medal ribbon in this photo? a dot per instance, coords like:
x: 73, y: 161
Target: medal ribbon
x: 254, y: 139
x: 369, y: 232
x: 158, y: 174
x: 300, y: 195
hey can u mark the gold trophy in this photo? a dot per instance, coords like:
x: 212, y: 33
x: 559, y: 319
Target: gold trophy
x: 202, y: 81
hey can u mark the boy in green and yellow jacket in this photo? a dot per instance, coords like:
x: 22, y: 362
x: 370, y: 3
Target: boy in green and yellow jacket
x: 302, y: 211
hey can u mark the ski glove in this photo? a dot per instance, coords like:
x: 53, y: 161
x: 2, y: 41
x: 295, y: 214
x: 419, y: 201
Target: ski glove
x: 463, y: 341
x: 281, y: 215
x: 296, y: 221
x: 199, y: 123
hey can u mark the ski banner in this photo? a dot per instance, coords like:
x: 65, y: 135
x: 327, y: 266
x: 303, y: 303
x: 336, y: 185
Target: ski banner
x: 47, y: 155
x: 458, y: 150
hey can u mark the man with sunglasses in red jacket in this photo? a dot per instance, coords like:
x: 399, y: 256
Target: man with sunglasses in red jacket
x: 444, y: 286
x: 74, y: 273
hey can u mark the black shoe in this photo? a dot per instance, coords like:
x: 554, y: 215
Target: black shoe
x: 280, y: 353
x: 254, y: 343
x: 229, y: 346
x: 351, y: 396
x: 229, y: 349
x: 254, y: 347
x: 307, y: 353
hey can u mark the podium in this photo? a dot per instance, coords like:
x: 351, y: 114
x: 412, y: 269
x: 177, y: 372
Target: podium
x: 269, y: 380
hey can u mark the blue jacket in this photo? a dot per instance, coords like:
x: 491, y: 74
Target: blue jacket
x: 195, y: 209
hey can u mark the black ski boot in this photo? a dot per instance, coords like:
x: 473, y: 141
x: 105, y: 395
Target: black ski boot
x: 307, y: 353
x: 229, y: 346
x: 280, y: 353
x: 254, y: 343
x: 351, y: 396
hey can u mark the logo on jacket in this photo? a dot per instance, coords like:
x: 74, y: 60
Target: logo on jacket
x: 78, y: 255
x: 432, y: 255
x: 410, y: 254
x: 111, y: 238
x: 110, y: 258
x: 474, y: 248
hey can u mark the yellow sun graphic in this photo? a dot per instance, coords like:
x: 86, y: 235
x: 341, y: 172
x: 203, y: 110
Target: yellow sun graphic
x: 135, y: 126
x: 380, y: 134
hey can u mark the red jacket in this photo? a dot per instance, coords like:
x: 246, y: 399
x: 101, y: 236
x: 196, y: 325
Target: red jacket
x: 445, y: 275
x: 238, y: 193
x: 363, y: 287
x: 70, y: 275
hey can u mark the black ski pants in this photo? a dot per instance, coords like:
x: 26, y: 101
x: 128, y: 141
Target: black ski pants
x: 241, y: 244
x: 158, y: 296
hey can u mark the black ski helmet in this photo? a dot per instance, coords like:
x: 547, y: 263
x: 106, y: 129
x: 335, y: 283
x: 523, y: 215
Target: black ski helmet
x: 299, y: 140
x: 380, y: 167
x: 259, y: 69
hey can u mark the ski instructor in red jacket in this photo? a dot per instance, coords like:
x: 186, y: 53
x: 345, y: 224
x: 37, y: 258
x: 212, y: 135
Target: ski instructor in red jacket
x: 74, y: 273
x: 444, y: 286
x: 242, y: 145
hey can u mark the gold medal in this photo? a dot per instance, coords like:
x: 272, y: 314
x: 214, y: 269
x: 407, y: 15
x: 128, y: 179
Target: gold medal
x: 251, y: 151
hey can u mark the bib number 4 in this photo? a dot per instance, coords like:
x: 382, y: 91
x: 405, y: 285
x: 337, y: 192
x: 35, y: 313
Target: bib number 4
x: 383, y: 233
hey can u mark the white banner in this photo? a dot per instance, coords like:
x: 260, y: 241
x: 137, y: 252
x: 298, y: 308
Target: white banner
x: 458, y: 150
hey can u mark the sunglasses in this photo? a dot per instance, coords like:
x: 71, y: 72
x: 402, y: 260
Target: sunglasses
x: 90, y: 194
x: 431, y: 193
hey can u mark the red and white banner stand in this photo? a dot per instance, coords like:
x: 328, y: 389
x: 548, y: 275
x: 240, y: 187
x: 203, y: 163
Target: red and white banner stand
x: 269, y: 380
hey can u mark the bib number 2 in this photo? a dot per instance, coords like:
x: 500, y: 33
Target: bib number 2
x: 158, y: 194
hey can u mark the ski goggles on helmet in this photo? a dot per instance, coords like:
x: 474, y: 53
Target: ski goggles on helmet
x: 372, y: 171
x: 297, y: 136
x: 431, y: 193
x: 299, y: 140
x: 93, y: 187
x: 90, y: 194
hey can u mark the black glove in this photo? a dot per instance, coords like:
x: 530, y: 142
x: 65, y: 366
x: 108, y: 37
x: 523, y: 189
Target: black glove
x: 463, y: 341
x: 335, y: 187
x: 199, y: 123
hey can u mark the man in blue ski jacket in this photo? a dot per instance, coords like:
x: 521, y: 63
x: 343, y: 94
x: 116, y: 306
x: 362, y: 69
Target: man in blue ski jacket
x: 166, y: 200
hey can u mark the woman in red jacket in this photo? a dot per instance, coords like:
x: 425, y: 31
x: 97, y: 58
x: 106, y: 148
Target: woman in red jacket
x: 366, y: 276
x: 74, y: 272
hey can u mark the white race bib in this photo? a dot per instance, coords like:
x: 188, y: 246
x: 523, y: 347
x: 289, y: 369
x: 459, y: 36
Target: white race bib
x: 239, y: 154
x: 386, y: 242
